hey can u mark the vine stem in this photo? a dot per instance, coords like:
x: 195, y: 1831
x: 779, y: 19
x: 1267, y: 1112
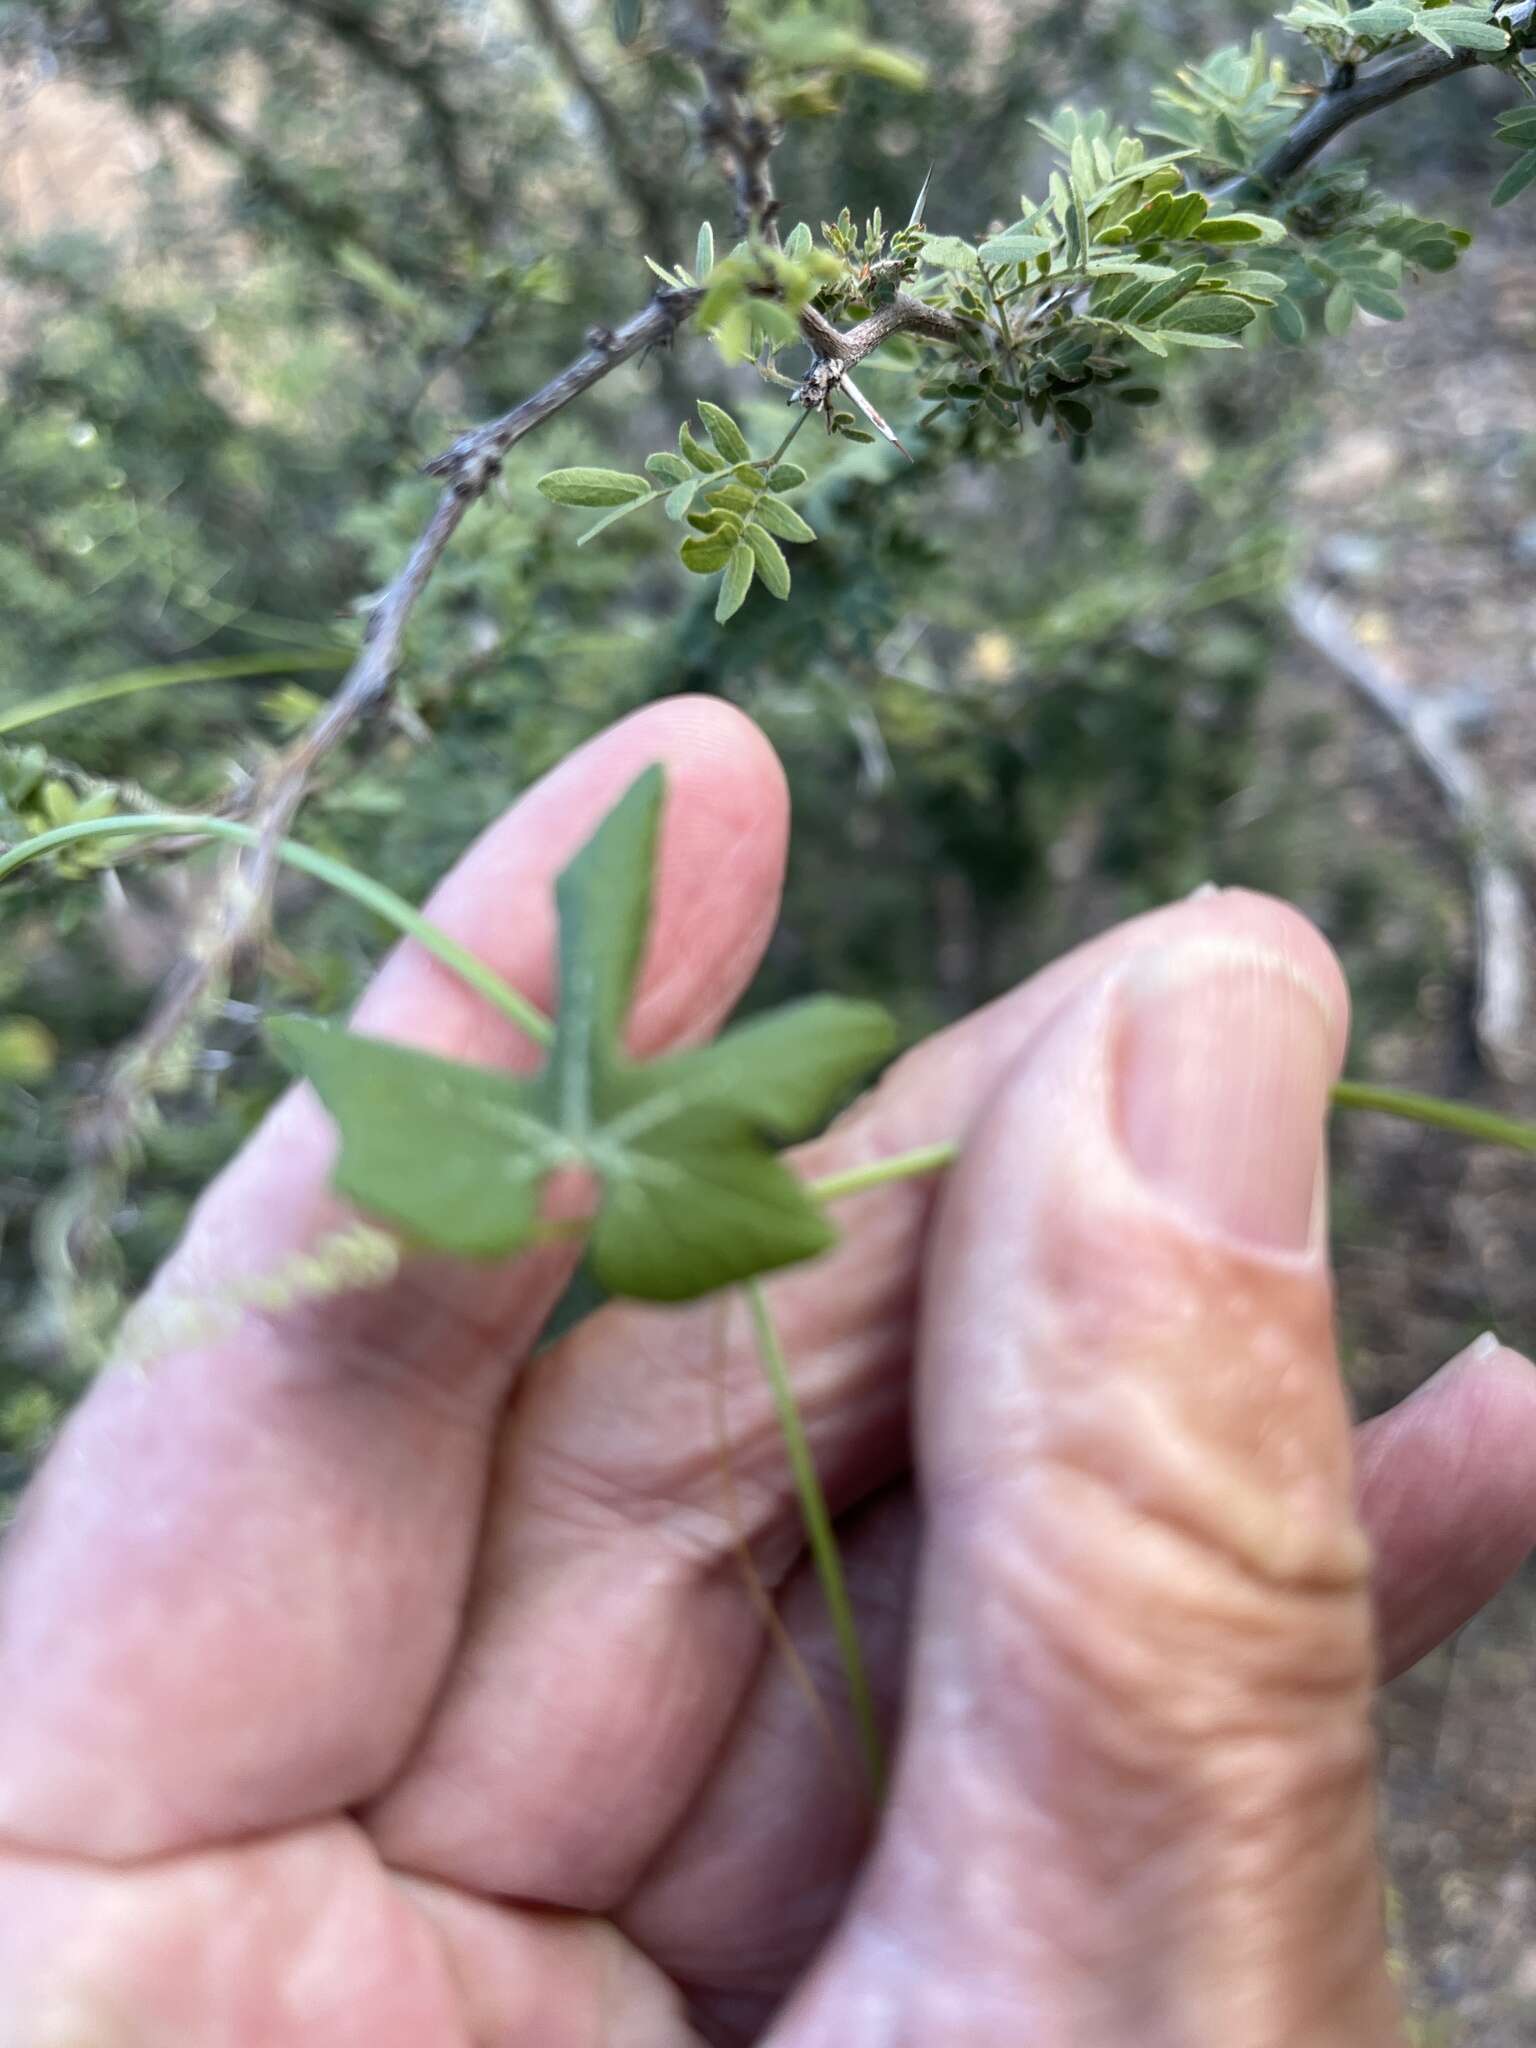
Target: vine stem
x: 336, y: 874
x: 820, y: 1535
x: 81, y: 695
x: 880, y: 1172
x: 1464, y: 1118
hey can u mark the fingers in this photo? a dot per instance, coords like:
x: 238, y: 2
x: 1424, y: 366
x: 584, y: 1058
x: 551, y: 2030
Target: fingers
x: 746, y: 1890
x: 304, y: 1940
x: 1134, y: 1799
x: 231, y: 1593
x: 1447, y: 1490
x: 752, y: 1882
x: 289, y: 1941
x: 608, y: 1638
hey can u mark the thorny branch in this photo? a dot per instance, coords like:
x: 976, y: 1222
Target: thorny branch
x: 1371, y: 88
x: 744, y: 138
x: 468, y: 468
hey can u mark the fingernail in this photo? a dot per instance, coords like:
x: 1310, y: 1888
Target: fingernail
x: 1200, y: 893
x: 1226, y: 1058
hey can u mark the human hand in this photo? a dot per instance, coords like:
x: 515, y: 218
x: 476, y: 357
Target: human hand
x: 364, y: 1684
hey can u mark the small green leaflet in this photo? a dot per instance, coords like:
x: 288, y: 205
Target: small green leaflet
x: 593, y: 487
x: 690, y: 1195
x: 740, y: 568
x: 724, y: 432
x: 1518, y: 129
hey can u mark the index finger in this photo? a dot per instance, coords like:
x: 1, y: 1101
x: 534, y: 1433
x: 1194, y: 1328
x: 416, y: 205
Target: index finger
x: 231, y: 1593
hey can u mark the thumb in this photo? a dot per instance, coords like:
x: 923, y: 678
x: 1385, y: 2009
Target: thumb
x: 1134, y: 1802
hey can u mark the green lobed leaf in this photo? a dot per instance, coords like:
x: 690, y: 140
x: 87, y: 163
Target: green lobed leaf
x: 689, y: 1195
x: 668, y: 468
x: 454, y: 1156
x: 1187, y: 213
x: 724, y: 432
x: 1144, y: 303
x: 1194, y: 338
x: 592, y: 486
x: 736, y: 582
x: 603, y: 903
x: 704, y: 252
x: 786, y: 476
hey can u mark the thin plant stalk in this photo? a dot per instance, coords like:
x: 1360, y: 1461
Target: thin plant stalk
x: 1484, y: 1126
x: 821, y: 1537
x: 79, y: 696
x: 334, y: 873
x: 1464, y: 1118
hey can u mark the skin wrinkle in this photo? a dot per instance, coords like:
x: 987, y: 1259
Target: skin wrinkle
x: 1171, y: 1606
x: 1043, y: 1507
x: 679, y: 1499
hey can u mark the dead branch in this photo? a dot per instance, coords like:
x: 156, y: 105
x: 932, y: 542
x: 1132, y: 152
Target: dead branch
x: 742, y: 136
x: 1431, y: 729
